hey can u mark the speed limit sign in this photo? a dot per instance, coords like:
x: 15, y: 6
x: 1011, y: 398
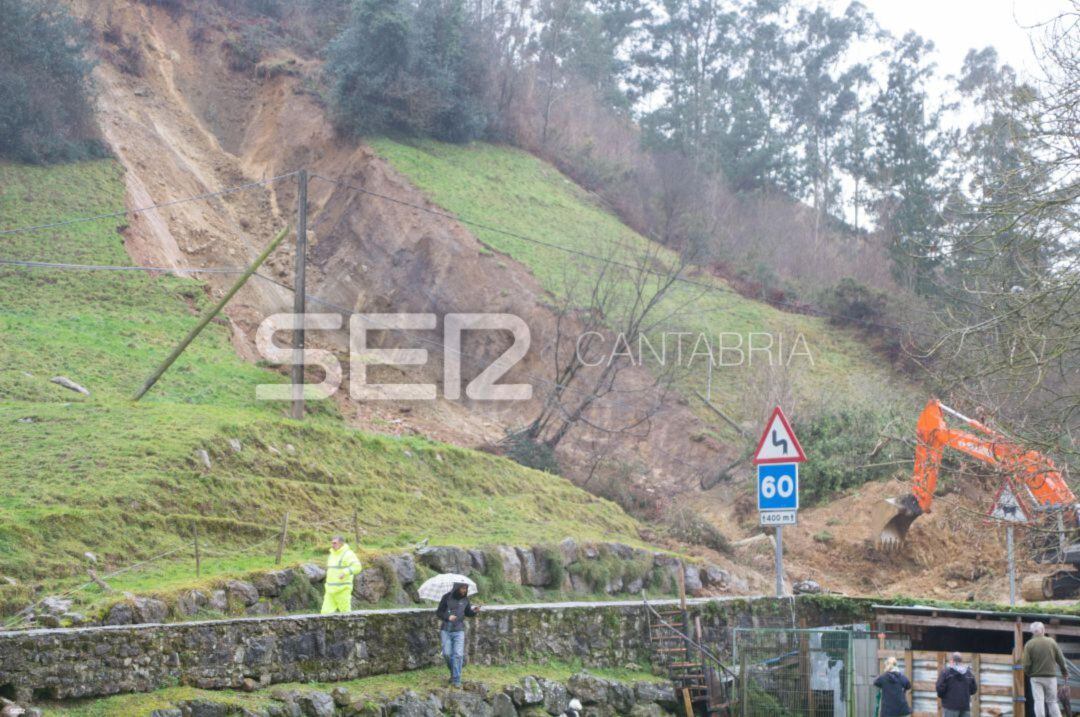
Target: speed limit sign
x: 778, y: 486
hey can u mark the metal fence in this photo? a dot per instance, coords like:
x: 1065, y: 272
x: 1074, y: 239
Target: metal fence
x: 794, y: 672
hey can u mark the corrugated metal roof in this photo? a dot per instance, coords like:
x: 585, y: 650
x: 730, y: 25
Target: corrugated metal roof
x: 993, y: 614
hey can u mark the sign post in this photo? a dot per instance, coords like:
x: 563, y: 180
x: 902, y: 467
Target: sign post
x: 1009, y: 510
x: 777, y: 458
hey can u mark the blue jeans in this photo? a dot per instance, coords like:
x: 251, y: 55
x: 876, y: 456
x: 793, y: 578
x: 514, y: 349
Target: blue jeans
x: 453, y: 651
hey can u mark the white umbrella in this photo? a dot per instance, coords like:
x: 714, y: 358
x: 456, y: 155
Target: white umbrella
x: 434, y: 588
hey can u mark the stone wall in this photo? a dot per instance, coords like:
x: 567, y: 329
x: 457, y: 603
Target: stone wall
x: 234, y: 653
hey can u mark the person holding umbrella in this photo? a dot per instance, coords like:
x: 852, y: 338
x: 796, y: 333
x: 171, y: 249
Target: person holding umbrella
x: 454, y: 607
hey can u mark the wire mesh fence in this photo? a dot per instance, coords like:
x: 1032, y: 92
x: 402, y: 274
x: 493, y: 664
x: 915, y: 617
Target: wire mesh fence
x: 794, y: 672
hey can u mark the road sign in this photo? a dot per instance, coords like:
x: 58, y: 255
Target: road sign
x: 778, y: 486
x: 1007, y: 507
x: 778, y: 517
x: 778, y: 443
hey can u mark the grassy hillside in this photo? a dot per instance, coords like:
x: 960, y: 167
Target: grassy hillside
x: 512, y: 190
x: 124, y: 481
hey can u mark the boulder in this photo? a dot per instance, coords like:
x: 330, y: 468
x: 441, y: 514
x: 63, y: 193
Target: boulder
x: 531, y: 692
x: 370, y: 585
x: 478, y: 561
x: 313, y: 572
x: 660, y: 693
x: 534, y: 567
x: 693, y: 578
x: 621, y: 697
x: 650, y: 709
x: 404, y: 567
x: 204, y: 708
x: 715, y: 577
x: 316, y: 704
x: 410, y: 704
x: 167, y: 712
x: 218, y: 602
x: 568, y: 548
x: 806, y: 587
x: 341, y: 696
x: 614, y: 585
x: 270, y: 585
x: 590, y: 552
x: 446, y: 559
x: 503, y: 706
x: 56, y: 605
x: 119, y: 614
x: 556, y: 698
x: 621, y: 551
x: 190, y: 602
x: 590, y: 689
x: 466, y: 704
x: 241, y: 592
x: 149, y: 610
x: 634, y: 586
x: 511, y: 564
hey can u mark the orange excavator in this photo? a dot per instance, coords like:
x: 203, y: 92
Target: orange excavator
x: 1036, y: 482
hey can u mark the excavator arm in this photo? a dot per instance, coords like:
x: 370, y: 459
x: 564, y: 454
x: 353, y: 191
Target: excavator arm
x: 1045, y: 484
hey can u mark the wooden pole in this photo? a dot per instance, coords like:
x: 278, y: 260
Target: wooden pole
x: 299, y: 296
x: 682, y: 586
x: 1019, y: 699
x: 281, y: 540
x: 164, y: 365
x: 198, y: 555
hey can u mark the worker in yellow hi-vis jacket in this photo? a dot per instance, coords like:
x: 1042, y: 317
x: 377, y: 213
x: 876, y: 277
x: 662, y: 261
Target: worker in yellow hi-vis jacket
x: 341, y: 565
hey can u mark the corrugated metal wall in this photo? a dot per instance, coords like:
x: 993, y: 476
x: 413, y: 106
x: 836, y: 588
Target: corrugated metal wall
x: 994, y: 675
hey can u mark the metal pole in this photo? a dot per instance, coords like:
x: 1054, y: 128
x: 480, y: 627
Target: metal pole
x: 779, y: 561
x: 164, y: 365
x: 299, y: 290
x: 1061, y: 535
x: 1012, y: 565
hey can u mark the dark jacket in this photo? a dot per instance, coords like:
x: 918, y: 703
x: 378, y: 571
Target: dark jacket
x: 460, y: 608
x: 893, y: 686
x: 955, y: 688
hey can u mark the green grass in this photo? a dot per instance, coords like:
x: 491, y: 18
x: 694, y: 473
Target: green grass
x: 513, y: 190
x: 122, y: 479
x: 379, y: 687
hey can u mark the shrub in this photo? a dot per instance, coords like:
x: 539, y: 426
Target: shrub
x: 687, y: 525
x: 45, y: 115
x: 532, y: 454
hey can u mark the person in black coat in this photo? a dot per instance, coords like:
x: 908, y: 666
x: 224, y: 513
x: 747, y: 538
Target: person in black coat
x: 955, y: 686
x: 452, y: 611
x: 894, y: 686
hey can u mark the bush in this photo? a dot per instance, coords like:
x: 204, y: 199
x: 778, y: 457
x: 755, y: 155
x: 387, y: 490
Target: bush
x: 400, y: 68
x: 850, y: 302
x: 532, y: 454
x: 45, y: 114
x: 687, y: 525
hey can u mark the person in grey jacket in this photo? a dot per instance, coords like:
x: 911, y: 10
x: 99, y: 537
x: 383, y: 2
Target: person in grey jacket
x: 453, y: 609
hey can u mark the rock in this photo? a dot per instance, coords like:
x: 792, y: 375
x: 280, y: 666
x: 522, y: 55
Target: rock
x: 271, y: 584
x: 693, y: 578
x: 341, y: 696
x: 90, y: 556
x: 409, y: 704
x: 218, y: 602
x: 69, y: 384
x: 466, y: 704
x: 534, y: 568
x: 149, y: 610
x: 119, y: 614
x: 647, y: 710
x: 556, y: 698
x: 578, y: 583
x: 313, y: 572
x: 56, y: 605
x: 204, y: 458
x: 715, y: 577
x: 591, y: 552
x: 445, y: 559
x: 204, y: 708
x: 531, y: 692
x: 370, y: 585
x: 478, y: 561
x: 48, y: 620
x: 614, y: 585
x: 249, y: 685
x: 12, y: 710
x: 621, y: 697
x: 621, y: 551
x: 590, y: 689
x: 806, y: 587
x: 511, y: 564
x: 241, y: 592
x: 235, y: 446
x: 316, y: 704
x: 569, y: 550
x: 290, y: 448
x: 8, y: 580
x: 73, y: 619
x: 167, y: 712
x: 661, y: 694
x: 404, y: 567
x: 503, y: 706
x: 634, y: 585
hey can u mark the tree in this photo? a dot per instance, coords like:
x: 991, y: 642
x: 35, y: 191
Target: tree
x: 45, y: 113
x: 908, y: 164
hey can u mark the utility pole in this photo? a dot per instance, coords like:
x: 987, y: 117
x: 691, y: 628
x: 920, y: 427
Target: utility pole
x: 779, y: 561
x: 1012, y: 564
x: 299, y: 304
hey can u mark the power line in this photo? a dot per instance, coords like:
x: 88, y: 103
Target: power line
x: 112, y: 267
x: 137, y: 210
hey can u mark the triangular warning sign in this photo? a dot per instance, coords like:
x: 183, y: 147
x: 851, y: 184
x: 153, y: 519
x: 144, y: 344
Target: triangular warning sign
x: 778, y: 443
x: 1007, y: 507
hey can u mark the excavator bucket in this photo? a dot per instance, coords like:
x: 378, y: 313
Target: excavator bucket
x: 894, y: 521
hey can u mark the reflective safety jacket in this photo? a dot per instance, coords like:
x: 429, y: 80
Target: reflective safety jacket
x: 341, y: 566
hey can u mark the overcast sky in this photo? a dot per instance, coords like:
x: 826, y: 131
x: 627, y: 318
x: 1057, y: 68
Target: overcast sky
x: 955, y: 26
